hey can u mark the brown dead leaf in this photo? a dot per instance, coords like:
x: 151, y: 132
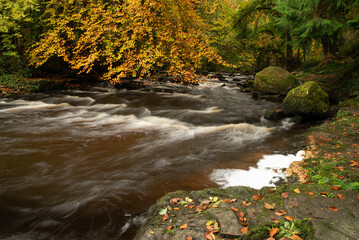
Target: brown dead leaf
x: 175, y: 200
x: 273, y: 231
x: 235, y: 209
x: 310, y: 193
x: 184, y: 226
x: 297, y: 190
x: 295, y: 237
x: 268, y: 206
x: 289, y: 218
x: 284, y: 195
x: 165, y: 217
x: 341, y: 197
x: 244, y: 230
x: 258, y: 197
x: 334, y: 209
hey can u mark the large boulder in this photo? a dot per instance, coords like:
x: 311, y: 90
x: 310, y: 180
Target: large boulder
x: 307, y: 99
x: 274, y: 80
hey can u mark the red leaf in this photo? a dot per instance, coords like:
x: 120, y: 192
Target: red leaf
x: 341, y: 197
x: 284, y: 195
x: 334, y: 209
x: 244, y: 230
x: 184, y: 226
x: 257, y: 197
x: 165, y: 217
x: 273, y: 231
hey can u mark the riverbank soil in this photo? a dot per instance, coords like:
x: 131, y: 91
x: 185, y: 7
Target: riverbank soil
x: 325, y: 207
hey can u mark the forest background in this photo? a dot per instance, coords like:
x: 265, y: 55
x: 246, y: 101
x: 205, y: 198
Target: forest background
x: 121, y: 39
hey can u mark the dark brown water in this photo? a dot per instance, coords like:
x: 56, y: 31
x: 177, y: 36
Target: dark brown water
x: 88, y: 165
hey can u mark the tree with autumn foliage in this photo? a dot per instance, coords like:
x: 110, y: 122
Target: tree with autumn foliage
x: 127, y: 38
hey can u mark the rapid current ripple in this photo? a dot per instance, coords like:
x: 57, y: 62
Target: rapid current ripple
x: 89, y: 164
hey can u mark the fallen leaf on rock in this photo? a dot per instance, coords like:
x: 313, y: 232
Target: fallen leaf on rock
x: 165, y: 217
x: 295, y: 237
x: 268, y: 206
x: 257, y: 197
x: 334, y: 209
x: 169, y: 228
x: 297, y: 190
x: 310, y: 193
x: 244, y: 230
x: 241, y: 214
x: 284, y: 195
x: 280, y: 213
x: 163, y: 211
x: 235, y: 209
x: 341, y: 197
x: 175, y: 200
x: 189, y: 238
x: 184, y: 226
x: 289, y: 218
x: 246, y: 204
x: 273, y: 231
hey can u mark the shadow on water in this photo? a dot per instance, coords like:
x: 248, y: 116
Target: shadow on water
x: 88, y: 165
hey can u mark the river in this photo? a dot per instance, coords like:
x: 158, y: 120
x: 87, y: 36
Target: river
x: 89, y: 164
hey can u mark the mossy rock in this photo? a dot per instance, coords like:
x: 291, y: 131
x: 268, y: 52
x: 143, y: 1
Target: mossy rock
x: 274, y: 80
x: 307, y: 99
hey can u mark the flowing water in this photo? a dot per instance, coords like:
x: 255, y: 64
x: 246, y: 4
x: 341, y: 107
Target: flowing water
x: 89, y: 164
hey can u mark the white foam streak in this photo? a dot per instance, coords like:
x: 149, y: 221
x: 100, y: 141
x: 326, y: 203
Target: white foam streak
x: 268, y: 169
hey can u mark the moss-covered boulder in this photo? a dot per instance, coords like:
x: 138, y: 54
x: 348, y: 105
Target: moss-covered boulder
x: 274, y: 80
x: 307, y: 99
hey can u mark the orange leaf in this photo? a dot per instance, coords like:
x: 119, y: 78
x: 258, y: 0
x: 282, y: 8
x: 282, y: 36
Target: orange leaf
x: 165, y: 217
x: 235, y: 209
x: 284, y: 195
x: 358, y: 197
x: 189, y: 238
x: 176, y: 208
x: 241, y: 214
x: 310, y: 193
x: 280, y: 213
x: 169, y: 228
x: 335, y: 188
x: 297, y: 190
x: 295, y: 237
x: 257, y: 197
x: 341, y: 197
x: 175, y: 200
x: 273, y: 231
x: 334, y: 209
x: 184, y: 226
x: 244, y: 230
x: 289, y: 218
x: 268, y: 206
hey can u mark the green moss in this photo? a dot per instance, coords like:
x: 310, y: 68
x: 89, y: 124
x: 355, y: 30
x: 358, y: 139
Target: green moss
x: 307, y: 99
x: 274, y: 80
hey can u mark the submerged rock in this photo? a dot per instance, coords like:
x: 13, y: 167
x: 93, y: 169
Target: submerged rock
x: 307, y: 99
x: 274, y: 80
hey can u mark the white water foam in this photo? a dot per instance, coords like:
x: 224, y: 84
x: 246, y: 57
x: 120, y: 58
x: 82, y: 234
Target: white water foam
x: 268, y: 169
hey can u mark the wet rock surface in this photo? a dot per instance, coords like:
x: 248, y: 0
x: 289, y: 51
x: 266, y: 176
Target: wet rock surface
x: 234, y: 209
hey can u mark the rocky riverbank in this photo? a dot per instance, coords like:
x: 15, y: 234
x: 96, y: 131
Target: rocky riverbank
x: 326, y: 206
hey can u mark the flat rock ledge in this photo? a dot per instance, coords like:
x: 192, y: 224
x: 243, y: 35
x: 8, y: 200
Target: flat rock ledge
x: 318, y: 211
